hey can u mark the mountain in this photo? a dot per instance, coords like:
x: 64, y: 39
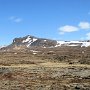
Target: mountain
x: 32, y: 41
x: 29, y: 41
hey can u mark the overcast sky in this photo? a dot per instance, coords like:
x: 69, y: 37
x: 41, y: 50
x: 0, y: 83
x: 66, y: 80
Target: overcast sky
x: 53, y: 19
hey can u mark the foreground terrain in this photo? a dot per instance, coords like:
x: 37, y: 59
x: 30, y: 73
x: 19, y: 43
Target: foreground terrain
x: 63, y: 68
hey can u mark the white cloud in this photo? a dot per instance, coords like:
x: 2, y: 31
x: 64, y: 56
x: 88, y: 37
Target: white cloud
x: 84, y: 25
x: 15, y: 19
x: 67, y: 28
x: 88, y: 35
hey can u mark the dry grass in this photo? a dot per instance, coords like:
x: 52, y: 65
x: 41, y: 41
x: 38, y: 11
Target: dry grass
x: 49, y: 69
x: 46, y: 64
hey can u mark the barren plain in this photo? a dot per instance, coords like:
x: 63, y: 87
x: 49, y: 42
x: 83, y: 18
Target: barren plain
x: 61, y: 68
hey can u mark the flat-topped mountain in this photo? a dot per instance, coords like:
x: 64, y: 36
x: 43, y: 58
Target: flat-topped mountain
x: 32, y: 41
x: 29, y: 41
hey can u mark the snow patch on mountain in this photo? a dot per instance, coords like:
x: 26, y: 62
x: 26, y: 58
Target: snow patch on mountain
x: 29, y: 40
x: 73, y: 43
x: 45, y: 40
x: 34, y: 39
x: 26, y: 40
x: 86, y: 44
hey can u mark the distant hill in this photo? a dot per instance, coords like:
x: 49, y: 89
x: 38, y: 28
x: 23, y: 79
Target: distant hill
x: 32, y: 41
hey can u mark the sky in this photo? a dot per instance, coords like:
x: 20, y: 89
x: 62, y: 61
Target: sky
x: 52, y: 19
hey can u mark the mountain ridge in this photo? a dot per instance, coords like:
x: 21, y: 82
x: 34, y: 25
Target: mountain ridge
x: 32, y: 41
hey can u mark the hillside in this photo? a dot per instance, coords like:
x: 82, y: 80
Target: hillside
x: 32, y: 41
x: 32, y: 63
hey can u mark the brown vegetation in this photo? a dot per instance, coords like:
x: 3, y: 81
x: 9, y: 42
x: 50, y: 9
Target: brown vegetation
x: 64, y: 68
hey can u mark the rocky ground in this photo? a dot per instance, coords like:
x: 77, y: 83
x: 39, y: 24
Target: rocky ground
x: 64, y: 68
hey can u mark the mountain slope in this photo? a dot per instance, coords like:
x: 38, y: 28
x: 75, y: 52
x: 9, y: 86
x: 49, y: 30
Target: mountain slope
x: 32, y: 41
